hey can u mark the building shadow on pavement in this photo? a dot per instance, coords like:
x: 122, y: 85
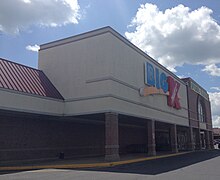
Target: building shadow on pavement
x: 158, y: 166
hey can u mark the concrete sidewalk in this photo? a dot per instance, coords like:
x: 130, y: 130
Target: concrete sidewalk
x: 81, y: 163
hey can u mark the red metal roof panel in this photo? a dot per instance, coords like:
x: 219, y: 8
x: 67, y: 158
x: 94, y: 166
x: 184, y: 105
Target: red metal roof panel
x: 25, y: 79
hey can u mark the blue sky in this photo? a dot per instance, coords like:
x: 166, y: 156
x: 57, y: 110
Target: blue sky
x: 193, y: 32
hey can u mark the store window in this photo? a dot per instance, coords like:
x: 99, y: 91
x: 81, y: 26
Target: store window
x: 201, y: 112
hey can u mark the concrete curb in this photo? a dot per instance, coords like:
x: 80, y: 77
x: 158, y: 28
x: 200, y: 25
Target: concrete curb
x: 92, y: 165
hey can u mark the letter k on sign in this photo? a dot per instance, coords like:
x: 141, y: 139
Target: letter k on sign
x: 173, y: 88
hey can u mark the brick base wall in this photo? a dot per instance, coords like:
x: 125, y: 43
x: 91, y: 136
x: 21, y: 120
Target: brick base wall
x: 23, y: 137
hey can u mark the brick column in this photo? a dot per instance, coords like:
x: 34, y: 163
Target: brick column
x: 111, y: 137
x: 191, y: 141
x: 211, y: 140
x: 173, y: 138
x: 207, y: 140
x: 151, y: 138
x: 198, y: 144
x: 199, y: 140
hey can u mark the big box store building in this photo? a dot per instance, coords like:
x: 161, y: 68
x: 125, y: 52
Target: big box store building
x: 96, y: 94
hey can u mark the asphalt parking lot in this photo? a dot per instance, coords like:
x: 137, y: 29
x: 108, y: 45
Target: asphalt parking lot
x: 158, y: 166
x: 195, y: 165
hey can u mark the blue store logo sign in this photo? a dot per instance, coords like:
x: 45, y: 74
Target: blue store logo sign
x: 153, y: 77
x: 159, y: 83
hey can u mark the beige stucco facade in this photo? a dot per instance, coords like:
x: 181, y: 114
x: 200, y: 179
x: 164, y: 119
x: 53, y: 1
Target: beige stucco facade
x: 101, y: 71
x: 23, y: 102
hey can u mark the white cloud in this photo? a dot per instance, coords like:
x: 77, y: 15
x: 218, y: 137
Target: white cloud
x: 17, y: 15
x: 215, y: 88
x: 216, y: 121
x: 215, y: 104
x: 212, y: 69
x: 27, y: 1
x: 177, y: 35
x: 34, y: 48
